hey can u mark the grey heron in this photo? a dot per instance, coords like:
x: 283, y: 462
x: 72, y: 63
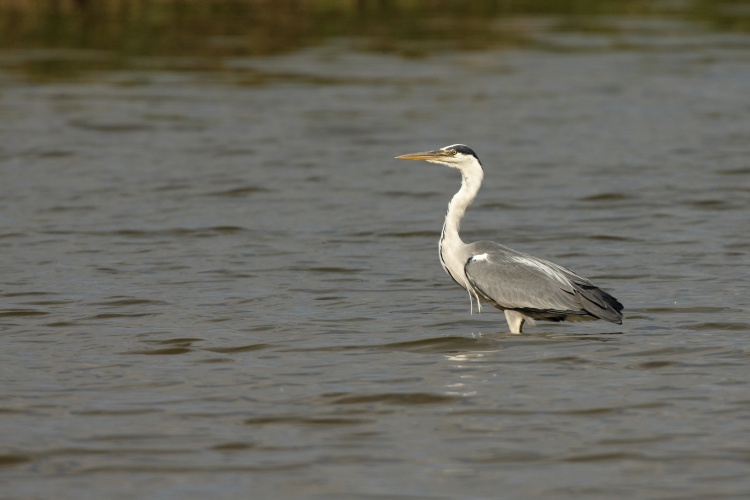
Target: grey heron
x: 526, y: 288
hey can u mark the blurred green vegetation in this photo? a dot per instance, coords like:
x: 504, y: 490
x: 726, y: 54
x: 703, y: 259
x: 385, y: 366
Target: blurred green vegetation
x: 199, y: 34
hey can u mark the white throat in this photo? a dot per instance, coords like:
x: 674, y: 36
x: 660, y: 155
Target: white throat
x: 453, y: 251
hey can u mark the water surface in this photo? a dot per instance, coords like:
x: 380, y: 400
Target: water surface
x: 221, y: 283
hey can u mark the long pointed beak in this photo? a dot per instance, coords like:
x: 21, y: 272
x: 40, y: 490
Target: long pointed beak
x: 426, y: 155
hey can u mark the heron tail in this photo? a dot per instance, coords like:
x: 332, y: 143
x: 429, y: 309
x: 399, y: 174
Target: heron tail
x: 599, y: 303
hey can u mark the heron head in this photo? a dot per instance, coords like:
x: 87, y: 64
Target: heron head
x: 456, y: 156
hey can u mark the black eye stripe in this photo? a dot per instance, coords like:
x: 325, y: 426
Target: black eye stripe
x: 460, y: 148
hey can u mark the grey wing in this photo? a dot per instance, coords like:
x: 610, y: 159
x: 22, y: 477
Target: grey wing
x: 514, y: 280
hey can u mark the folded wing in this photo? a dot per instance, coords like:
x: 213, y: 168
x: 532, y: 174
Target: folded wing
x: 514, y: 280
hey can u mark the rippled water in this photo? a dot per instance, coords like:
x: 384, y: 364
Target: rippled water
x: 224, y: 285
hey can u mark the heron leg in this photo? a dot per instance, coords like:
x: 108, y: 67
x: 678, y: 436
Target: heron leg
x: 515, y: 320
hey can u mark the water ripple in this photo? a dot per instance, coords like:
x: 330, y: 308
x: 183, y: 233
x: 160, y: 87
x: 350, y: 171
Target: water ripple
x: 417, y: 398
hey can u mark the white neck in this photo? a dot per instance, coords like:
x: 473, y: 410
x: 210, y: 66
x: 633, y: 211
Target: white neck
x: 452, y: 249
x: 470, y: 184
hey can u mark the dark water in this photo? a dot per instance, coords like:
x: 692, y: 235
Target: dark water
x: 221, y: 284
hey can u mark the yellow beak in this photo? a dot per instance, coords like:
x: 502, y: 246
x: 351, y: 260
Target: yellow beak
x: 426, y: 155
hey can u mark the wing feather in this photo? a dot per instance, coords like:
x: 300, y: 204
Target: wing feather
x: 514, y: 280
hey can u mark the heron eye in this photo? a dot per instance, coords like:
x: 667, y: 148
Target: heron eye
x: 453, y: 152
